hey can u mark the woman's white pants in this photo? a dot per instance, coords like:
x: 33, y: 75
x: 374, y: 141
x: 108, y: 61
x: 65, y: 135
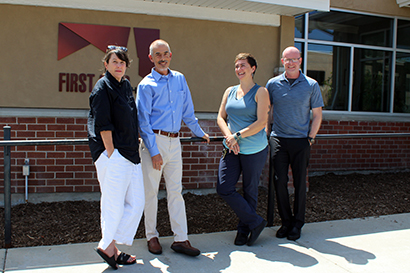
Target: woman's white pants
x: 122, y: 198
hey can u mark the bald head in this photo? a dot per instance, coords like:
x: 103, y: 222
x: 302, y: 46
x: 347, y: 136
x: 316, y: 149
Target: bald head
x: 291, y: 50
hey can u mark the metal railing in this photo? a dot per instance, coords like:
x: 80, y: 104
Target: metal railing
x: 7, y: 143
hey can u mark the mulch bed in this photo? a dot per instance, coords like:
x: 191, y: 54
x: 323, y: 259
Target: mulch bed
x: 330, y: 197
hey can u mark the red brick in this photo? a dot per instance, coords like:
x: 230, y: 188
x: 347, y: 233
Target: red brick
x: 36, y: 155
x: 45, y: 161
x: 64, y: 148
x: 47, y: 134
x: 64, y: 161
x: 190, y: 148
x: 65, y: 175
x: 74, y: 182
x: 65, y: 120
x: 74, y: 168
x: 83, y: 188
x: 64, y: 134
x: 56, y: 127
x: 82, y: 148
x: 55, y: 168
x: 26, y: 134
x: 83, y: 175
x: 46, y: 120
x: 55, y: 182
x: 76, y: 127
x: 91, y: 182
x: 65, y: 189
x: 81, y: 120
x: 84, y: 161
x: 49, y: 148
x: 37, y: 168
x: 80, y: 134
x: 44, y: 175
x: 198, y: 167
x: 190, y: 173
x: 75, y: 154
x: 36, y: 127
x: 26, y: 120
x: 45, y: 189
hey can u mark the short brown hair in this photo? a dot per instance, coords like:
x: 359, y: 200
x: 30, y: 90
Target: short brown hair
x: 249, y: 58
x: 122, y: 55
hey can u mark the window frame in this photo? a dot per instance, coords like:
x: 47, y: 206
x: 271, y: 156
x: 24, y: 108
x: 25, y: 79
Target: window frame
x: 306, y: 41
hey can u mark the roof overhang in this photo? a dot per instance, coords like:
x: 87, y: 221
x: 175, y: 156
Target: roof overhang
x: 257, y: 12
x: 403, y: 3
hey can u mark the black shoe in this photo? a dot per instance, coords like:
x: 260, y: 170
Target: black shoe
x: 256, y: 232
x: 283, y: 232
x: 185, y: 248
x: 294, y: 234
x: 241, y: 239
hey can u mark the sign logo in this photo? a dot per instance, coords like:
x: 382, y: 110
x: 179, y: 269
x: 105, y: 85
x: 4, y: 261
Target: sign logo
x: 73, y: 37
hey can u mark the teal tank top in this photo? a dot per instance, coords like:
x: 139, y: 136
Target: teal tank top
x: 242, y: 113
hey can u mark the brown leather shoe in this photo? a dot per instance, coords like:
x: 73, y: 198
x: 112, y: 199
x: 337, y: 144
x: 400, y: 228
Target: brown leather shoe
x: 185, y: 248
x: 154, y: 246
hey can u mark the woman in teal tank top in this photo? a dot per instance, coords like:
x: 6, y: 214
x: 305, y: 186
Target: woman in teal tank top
x: 242, y: 118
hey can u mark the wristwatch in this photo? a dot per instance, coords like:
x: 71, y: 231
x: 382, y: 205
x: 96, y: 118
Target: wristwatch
x: 311, y: 140
x: 237, y: 136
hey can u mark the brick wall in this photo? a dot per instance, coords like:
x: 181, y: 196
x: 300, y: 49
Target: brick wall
x: 361, y: 153
x: 69, y: 168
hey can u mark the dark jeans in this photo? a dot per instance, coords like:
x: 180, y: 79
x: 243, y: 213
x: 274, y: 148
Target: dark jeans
x: 294, y: 152
x: 230, y: 168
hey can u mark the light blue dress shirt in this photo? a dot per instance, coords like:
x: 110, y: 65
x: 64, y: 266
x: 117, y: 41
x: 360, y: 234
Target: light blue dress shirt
x: 163, y: 102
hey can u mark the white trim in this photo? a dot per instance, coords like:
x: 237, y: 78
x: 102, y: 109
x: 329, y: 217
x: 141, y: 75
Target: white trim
x: 38, y: 112
x: 72, y: 113
x: 364, y: 116
x: 341, y: 44
x: 160, y: 9
x: 322, y: 5
x: 403, y: 3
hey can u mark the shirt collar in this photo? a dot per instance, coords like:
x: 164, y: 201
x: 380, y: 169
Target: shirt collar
x: 300, y: 78
x: 112, y: 79
x: 157, y: 76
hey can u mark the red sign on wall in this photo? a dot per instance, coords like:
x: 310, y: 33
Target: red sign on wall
x: 73, y: 37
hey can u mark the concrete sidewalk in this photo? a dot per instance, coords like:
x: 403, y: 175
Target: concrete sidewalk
x: 361, y: 245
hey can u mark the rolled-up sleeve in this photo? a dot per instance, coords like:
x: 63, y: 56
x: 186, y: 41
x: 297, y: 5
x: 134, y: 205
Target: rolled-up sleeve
x: 188, y: 113
x: 101, y: 109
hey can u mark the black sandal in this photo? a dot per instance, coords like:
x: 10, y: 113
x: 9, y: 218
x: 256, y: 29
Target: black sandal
x: 123, y: 259
x: 109, y: 260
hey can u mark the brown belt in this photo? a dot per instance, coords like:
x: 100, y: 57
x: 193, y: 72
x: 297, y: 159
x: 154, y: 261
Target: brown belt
x: 168, y: 134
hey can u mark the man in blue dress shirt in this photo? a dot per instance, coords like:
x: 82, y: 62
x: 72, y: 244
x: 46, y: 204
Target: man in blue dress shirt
x: 163, y: 102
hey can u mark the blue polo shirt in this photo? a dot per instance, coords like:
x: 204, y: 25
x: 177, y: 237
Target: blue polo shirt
x: 292, y: 104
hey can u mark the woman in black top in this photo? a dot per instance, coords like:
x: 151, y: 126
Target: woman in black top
x: 113, y: 142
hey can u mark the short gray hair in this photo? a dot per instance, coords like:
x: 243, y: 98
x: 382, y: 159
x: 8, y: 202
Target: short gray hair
x: 156, y: 43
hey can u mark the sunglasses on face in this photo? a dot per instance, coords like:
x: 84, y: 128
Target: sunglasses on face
x: 114, y: 47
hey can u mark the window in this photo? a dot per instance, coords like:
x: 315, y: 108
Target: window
x: 402, y: 83
x: 353, y: 58
x: 334, y: 62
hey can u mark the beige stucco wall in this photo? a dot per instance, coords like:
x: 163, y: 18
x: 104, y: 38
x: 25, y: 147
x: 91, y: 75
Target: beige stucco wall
x: 384, y: 7
x: 203, y: 50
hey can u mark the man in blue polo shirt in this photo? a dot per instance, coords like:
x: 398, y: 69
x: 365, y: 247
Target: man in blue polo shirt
x: 292, y: 96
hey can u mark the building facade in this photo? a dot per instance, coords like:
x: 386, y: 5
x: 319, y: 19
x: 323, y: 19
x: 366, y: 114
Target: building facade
x: 357, y: 50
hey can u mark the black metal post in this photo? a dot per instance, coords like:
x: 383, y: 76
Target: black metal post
x: 7, y: 190
x: 271, y: 194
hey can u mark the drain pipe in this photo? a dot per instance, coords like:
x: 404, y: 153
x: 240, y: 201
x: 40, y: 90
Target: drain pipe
x: 26, y: 173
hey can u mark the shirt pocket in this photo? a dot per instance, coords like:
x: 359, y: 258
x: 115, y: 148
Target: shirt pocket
x: 181, y: 94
